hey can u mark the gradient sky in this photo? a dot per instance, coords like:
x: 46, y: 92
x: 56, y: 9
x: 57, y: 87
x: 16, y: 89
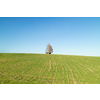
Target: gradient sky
x: 67, y: 35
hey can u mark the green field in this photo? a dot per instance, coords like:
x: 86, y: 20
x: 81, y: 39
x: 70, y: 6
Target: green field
x: 48, y: 69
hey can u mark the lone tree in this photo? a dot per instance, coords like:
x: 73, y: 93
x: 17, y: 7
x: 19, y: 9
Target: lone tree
x: 49, y: 49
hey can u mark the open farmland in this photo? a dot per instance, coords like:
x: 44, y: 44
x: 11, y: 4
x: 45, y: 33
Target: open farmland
x: 48, y: 69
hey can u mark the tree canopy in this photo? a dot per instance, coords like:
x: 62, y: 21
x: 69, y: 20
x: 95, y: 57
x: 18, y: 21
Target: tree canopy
x: 49, y: 49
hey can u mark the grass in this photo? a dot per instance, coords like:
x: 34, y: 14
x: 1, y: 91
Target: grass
x: 48, y: 69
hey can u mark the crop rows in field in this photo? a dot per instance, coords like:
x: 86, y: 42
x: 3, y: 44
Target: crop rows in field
x: 48, y: 69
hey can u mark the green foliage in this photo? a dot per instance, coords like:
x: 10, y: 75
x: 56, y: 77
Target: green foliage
x: 48, y: 69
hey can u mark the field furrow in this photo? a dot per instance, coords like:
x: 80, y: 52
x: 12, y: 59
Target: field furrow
x: 54, y: 73
x: 50, y: 66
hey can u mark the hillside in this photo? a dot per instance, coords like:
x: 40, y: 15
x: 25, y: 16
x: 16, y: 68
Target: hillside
x: 48, y: 69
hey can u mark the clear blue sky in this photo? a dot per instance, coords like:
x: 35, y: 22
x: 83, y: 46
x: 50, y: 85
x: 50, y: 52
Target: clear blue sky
x: 67, y: 35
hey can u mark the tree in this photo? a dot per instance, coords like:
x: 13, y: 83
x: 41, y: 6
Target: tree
x: 49, y: 49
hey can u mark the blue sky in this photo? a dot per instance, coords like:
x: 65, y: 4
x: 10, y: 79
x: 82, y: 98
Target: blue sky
x: 67, y: 35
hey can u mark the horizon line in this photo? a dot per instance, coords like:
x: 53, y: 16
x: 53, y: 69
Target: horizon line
x: 53, y: 54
